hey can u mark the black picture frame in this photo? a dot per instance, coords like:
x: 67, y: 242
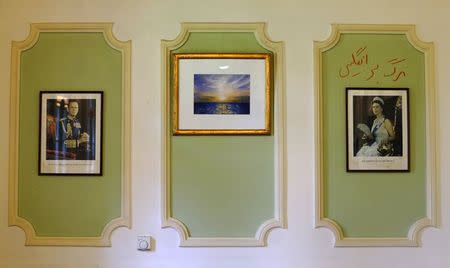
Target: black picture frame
x: 70, y: 133
x: 377, y: 129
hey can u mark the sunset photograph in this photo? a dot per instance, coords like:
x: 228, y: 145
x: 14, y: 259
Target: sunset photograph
x: 221, y: 94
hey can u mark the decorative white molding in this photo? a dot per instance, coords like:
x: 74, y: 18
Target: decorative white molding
x: 279, y: 220
x: 13, y: 218
x: 433, y: 207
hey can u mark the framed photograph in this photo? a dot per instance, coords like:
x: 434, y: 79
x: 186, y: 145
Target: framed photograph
x: 220, y: 94
x: 377, y: 129
x: 70, y: 140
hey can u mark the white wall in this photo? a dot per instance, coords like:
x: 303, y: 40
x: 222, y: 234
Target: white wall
x: 297, y: 23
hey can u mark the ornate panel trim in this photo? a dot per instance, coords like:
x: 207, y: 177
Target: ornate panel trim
x: 433, y: 207
x: 13, y: 218
x: 277, y: 48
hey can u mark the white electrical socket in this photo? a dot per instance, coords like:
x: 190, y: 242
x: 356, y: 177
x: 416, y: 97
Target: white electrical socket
x: 144, y: 242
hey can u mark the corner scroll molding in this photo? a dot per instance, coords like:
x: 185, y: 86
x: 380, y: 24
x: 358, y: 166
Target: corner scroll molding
x: 433, y: 207
x: 279, y: 220
x: 32, y: 239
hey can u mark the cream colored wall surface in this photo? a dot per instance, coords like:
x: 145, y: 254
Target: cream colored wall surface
x: 297, y: 23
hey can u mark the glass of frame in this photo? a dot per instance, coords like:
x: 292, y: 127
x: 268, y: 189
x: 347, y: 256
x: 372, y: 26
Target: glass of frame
x: 377, y: 129
x: 70, y: 140
x: 220, y: 94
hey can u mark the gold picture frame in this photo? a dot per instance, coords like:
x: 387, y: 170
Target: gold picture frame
x: 222, y: 94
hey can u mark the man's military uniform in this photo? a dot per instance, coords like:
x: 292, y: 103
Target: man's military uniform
x: 71, y: 134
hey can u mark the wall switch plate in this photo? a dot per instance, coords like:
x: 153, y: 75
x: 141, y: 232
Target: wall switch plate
x: 144, y: 242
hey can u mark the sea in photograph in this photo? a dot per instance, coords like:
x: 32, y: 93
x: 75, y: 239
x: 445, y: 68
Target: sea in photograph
x: 221, y: 94
x: 221, y: 108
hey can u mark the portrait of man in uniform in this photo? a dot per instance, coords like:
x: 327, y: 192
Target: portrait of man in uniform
x: 72, y: 137
x: 71, y: 124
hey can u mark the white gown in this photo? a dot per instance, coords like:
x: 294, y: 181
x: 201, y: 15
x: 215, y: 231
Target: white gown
x: 380, y: 133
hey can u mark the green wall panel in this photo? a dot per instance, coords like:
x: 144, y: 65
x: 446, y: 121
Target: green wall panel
x: 381, y: 204
x: 72, y: 206
x: 222, y: 186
